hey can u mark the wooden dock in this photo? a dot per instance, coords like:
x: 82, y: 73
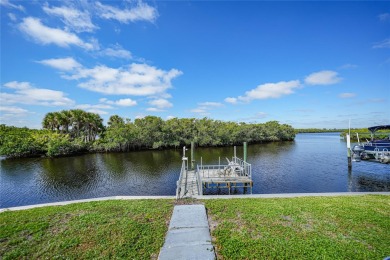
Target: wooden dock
x: 189, y: 185
x: 236, y: 174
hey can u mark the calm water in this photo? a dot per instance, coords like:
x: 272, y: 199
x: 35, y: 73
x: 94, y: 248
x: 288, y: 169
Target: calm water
x: 313, y: 163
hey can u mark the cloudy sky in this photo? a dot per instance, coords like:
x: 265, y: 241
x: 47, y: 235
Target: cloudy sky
x: 308, y: 64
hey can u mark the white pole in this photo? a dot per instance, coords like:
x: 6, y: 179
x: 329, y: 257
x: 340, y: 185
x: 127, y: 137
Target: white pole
x: 349, y: 151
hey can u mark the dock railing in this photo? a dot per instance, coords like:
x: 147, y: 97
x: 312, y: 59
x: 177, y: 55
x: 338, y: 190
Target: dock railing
x: 180, y: 181
x: 236, y: 167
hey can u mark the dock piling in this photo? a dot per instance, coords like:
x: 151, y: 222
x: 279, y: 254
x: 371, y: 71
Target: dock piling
x: 245, y: 151
x: 349, y: 151
x: 192, y: 155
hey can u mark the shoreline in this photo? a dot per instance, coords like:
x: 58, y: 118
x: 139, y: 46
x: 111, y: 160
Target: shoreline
x: 203, y: 197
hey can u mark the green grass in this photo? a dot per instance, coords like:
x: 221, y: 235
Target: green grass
x: 109, y: 229
x: 301, y: 228
x: 355, y: 227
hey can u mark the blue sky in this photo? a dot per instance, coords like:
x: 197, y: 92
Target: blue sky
x: 308, y: 64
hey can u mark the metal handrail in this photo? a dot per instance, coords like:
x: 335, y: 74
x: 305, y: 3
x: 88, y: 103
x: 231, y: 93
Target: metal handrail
x: 179, y: 182
x: 244, y: 169
x: 199, y: 179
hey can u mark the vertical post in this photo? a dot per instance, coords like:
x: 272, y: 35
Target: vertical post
x: 219, y: 161
x: 192, y: 155
x: 235, y: 154
x: 245, y: 152
x: 349, y: 151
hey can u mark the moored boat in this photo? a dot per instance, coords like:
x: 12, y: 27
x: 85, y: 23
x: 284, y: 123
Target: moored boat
x: 375, y: 149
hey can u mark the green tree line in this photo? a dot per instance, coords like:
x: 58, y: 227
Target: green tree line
x: 76, y: 131
x: 365, y: 134
x: 317, y: 130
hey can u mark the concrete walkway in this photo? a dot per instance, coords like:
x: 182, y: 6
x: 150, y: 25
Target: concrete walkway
x: 188, y: 235
x: 246, y: 196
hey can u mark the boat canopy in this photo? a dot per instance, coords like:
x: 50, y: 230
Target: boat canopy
x: 379, y: 127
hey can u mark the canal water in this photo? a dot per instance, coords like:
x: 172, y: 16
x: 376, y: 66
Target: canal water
x: 312, y: 163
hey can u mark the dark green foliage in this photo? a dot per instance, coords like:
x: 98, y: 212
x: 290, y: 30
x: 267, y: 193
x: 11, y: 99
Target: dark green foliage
x: 365, y: 134
x: 74, y: 131
x: 76, y: 122
x: 153, y: 133
x: 19, y: 142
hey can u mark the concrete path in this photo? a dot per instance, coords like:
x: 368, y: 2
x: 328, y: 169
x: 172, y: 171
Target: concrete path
x: 188, y: 235
x: 246, y: 196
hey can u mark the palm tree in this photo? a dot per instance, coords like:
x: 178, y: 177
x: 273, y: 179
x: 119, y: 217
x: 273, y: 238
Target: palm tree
x: 49, y: 121
x: 77, y: 121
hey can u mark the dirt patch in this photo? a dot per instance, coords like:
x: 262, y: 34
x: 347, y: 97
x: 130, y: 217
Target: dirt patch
x: 60, y: 224
x: 188, y: 201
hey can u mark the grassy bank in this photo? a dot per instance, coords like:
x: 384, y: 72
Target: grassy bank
x: 301, y: 228
x: 109, y: 229
x: 286, y: 228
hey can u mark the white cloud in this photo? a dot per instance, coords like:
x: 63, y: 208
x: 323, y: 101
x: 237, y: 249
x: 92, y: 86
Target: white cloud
x: 117, y: 52
x: 126, y: 102
x: 141, y: 12
x: 27, y: 94
x: 204, y: 107
x: 135, y: 79
x: 13, y: 110
x: 210, y: 104
x: 384, y: 17
x: 97, y: 106
x: 11, y: 115
x: 271, y: 90
x: 17, y: 85
x: 347, y: 95
x: 325, y: 77
x: 8, y: 4
x: 154, y: 109
x: 139, y: 116
x: 161, y: 103
x: 66, y: 64
x: 74, y: 19
x: 43, y: 34
x: 170, y: 117
x: 12, y: 17
x: 231, y: 100
x: 199, y: 111
x: 383, y: 44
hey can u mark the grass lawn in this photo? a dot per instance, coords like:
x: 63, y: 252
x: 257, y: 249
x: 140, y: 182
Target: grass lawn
x: 355, y: 227
x: 109, y: 229
x: 301, y: 228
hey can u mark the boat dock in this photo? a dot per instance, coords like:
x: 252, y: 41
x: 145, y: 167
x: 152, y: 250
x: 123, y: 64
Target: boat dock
x: 237, y: 173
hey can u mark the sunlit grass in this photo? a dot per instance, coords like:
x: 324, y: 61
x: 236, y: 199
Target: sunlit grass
x: 109, y: 229
x: 355, y: 227
x: 301, y: 228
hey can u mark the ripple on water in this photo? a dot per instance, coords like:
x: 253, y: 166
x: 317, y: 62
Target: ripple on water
x: 312, y: 163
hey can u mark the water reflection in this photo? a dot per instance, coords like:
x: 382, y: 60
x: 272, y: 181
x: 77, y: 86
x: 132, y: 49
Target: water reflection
x: 312, y: 163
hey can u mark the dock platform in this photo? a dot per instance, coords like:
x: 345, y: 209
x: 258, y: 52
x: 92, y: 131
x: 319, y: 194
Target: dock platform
x: 236, y: 174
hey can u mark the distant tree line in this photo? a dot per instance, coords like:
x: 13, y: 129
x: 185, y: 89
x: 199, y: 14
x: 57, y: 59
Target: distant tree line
x: 317, y: 130
x: 364, y: 134
x: 76, y: 131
